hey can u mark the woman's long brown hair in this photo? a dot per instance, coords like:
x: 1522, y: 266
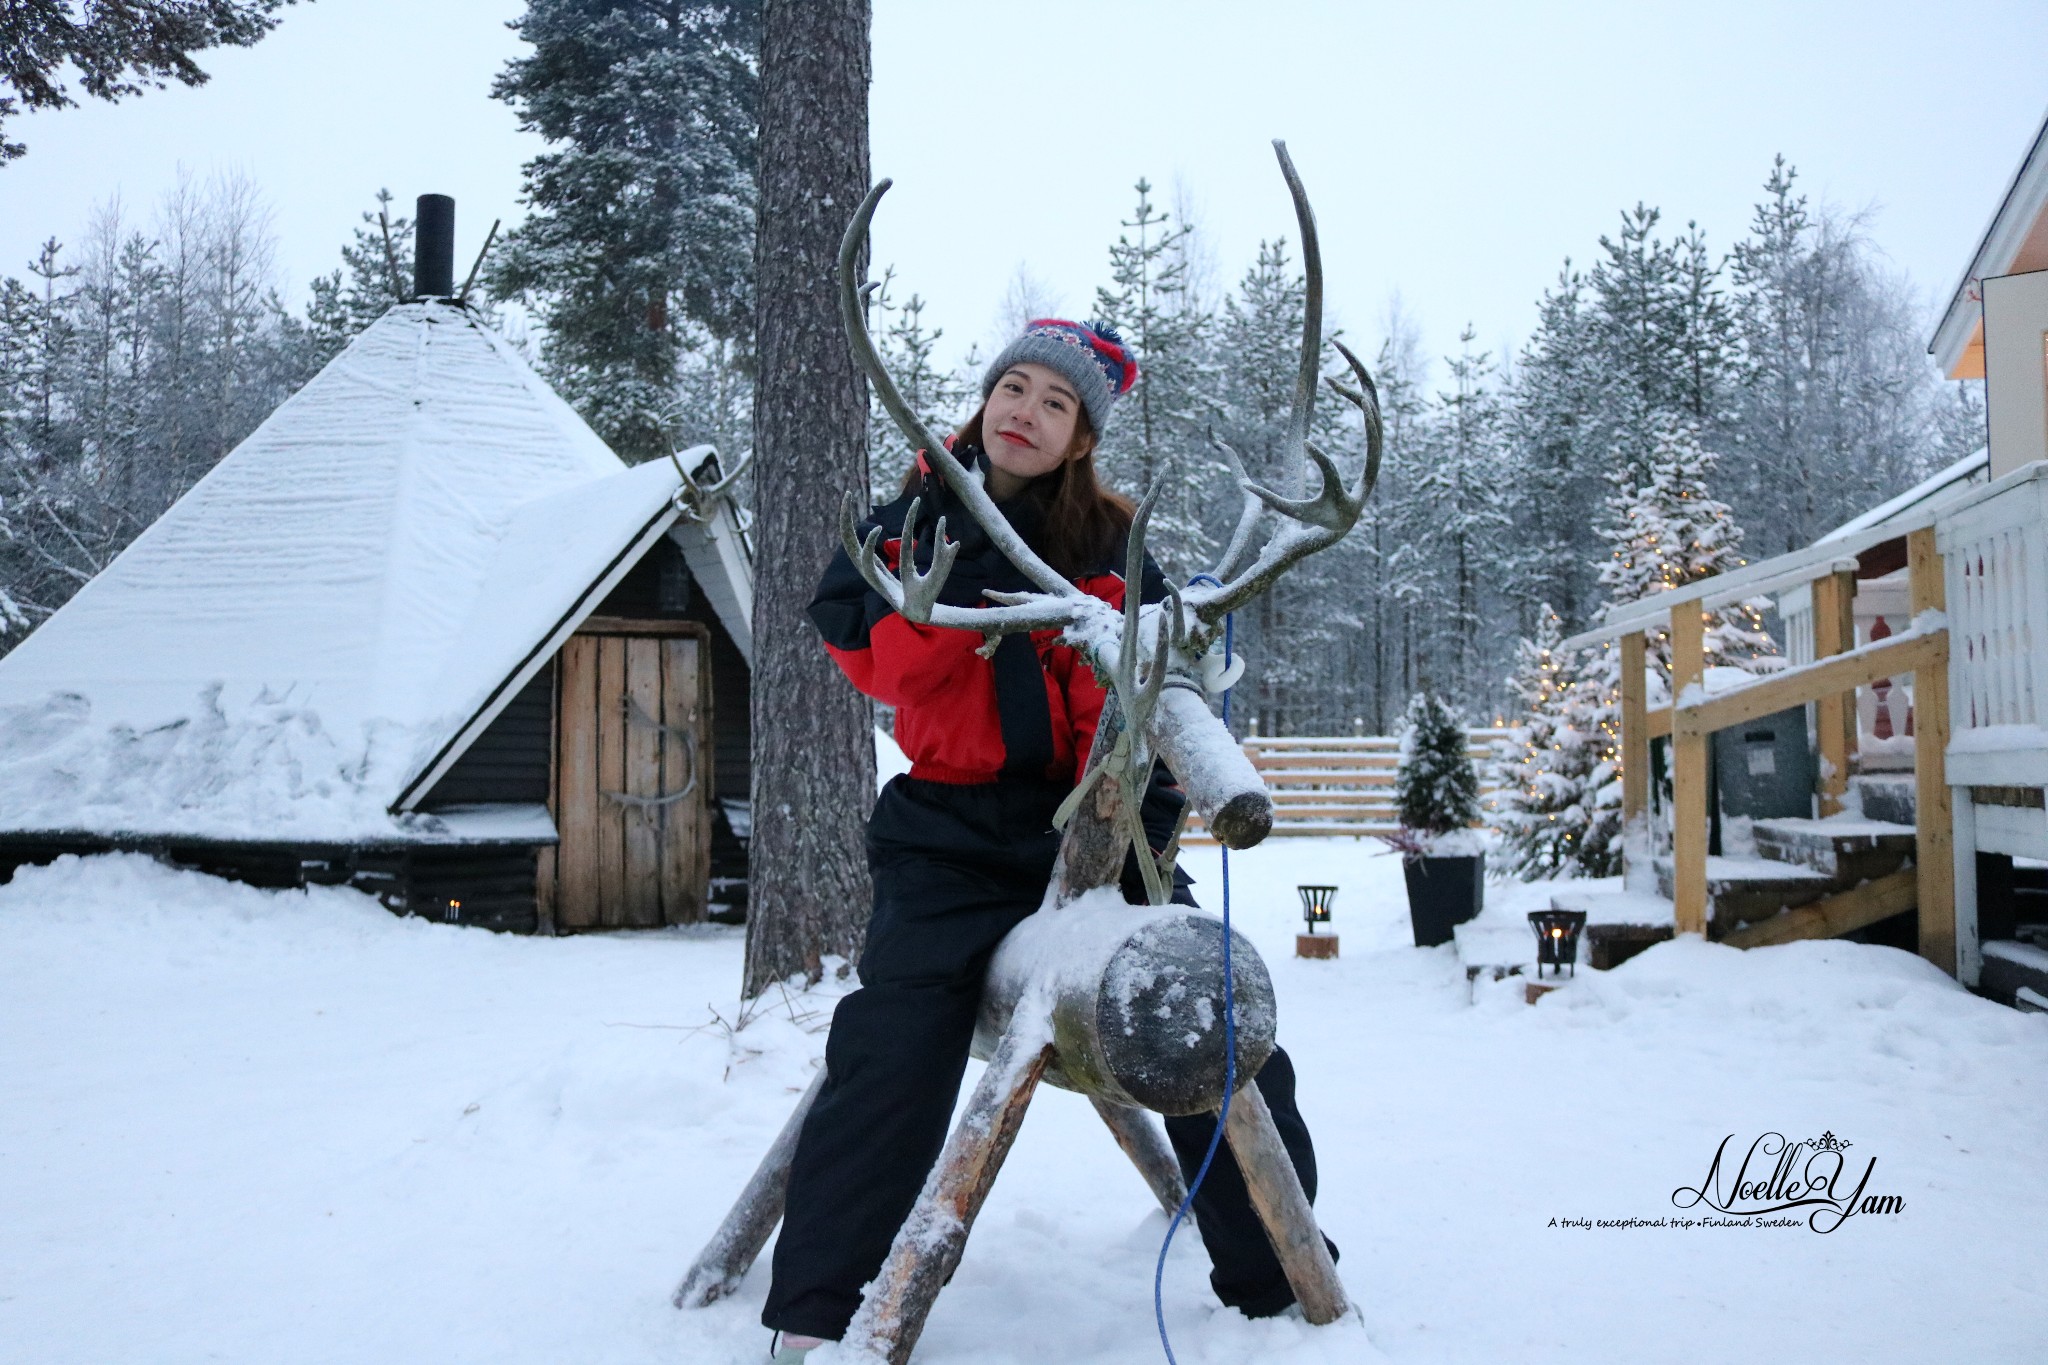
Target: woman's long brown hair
x: 1084, y: 525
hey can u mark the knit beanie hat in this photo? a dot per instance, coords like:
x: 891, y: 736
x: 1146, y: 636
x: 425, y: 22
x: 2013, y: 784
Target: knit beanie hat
x: 1087, y: 355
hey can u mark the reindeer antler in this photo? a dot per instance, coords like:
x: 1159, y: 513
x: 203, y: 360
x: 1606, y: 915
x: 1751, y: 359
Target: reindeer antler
x: 915, y: 594
x: 1309, y: 523
x: 693, y: 499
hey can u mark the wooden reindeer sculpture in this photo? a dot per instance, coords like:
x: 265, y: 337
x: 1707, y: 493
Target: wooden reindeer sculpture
x: 1121, y: 1003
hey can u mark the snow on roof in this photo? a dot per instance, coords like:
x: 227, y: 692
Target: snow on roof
x: 309, y: 626
x: 1938, y: 487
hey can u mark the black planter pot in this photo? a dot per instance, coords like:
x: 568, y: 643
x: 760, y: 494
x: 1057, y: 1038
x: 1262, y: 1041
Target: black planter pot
x: 1443, y: 893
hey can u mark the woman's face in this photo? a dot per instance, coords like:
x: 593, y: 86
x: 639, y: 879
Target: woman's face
x: 1028, y: 424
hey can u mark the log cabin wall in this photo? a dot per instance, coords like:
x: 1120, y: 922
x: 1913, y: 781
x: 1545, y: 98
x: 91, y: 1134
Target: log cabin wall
x: 509, y: 760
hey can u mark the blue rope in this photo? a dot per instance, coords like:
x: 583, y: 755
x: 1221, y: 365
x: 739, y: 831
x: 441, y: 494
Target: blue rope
x: 1229, y: 1040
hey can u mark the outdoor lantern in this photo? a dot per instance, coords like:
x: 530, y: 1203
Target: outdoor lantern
x: 1315, y: 908
x: 1557, y: 939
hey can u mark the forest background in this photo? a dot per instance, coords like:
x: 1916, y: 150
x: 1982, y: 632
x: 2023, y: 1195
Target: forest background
x: 137, y: 352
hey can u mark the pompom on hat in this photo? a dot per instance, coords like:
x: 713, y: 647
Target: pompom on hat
x: 1088, y: 355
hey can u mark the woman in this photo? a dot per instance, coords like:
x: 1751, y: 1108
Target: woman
x: 962, y: 847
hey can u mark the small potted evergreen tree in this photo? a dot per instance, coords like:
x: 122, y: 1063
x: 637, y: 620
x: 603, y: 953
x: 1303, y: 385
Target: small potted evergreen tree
x: 1436, y: 794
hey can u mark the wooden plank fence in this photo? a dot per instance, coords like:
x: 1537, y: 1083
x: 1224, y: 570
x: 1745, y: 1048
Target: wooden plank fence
x: 1338, y: 785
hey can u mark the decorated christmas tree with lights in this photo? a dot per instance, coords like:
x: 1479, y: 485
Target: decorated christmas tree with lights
x: 1546, y: 762
x: 1666, y: 533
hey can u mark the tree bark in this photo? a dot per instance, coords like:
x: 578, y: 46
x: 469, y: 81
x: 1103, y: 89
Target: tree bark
x: 814, y: 750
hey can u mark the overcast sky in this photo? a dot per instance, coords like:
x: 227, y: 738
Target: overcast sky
x: 1456, y: 153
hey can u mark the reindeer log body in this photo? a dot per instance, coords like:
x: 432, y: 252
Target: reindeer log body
x: 1136, y: 1001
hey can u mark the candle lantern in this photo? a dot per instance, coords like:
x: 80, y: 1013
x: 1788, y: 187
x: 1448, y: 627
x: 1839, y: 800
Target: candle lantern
x: 1315, y: 909
x: 1557, y: 939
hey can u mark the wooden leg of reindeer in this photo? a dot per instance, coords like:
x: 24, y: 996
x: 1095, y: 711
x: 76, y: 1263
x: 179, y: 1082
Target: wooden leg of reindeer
x: 729, y: 1254
x: 1145, y: 1144
x: 1283, y: 1208
x: 928, y: 1245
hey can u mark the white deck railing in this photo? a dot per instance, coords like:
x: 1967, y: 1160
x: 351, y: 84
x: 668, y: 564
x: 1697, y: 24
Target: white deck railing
x: 1995, y: 550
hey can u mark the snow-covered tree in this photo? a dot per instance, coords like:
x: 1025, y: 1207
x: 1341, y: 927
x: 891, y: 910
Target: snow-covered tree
x: 1436, y: 788
x: 1558, y: 469
x: 1837, y: 406
x: 1545, y: 763
x: 129, y: 365
x: 1661, y: 337
x: 1158, y: 432
x: 943, y: 398
x: 1293, y: 630
x: 1461, y: 481
x: 643, y: 205
x: 375, y: 273
x: 1670, y: 531
x: 114, y: 50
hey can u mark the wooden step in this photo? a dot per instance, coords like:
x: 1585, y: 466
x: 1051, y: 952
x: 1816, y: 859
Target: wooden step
x: 1847, y: 851
x: 1832, y: 916
x: 1891, y: 797
x: 1744, y: 890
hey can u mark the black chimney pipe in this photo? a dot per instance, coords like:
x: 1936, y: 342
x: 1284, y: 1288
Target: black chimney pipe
x: 433, y: 262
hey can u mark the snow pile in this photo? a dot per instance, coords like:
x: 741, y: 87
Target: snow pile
x: 257, y: 1126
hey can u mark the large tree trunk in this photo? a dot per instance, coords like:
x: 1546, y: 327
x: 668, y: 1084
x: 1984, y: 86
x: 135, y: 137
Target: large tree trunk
x: 814, y: 748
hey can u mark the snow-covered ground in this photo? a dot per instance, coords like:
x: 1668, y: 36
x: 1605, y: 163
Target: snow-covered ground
x: 254, y: 1127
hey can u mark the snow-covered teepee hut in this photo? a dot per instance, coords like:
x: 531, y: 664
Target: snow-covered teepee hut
x: 421, y: 632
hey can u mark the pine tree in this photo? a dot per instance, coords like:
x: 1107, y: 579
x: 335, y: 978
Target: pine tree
x: 374, y: 274
x: 1670, y: 532
x: 1155, y: 441
x: 51, y: 335
x: 1559, y: 469
x: 1404, y: 579
x: 1294, y: 628
x: 943, y: 398
x: 1837, y: 406
x: 643, y: 207
x: 116, y: 50
x: 1462, y: 484
x: 1546, y: 764
x: 1436, y: 789
x: 1661, y: 334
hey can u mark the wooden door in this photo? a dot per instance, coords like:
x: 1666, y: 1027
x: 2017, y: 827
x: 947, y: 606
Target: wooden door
x: 633, y: 773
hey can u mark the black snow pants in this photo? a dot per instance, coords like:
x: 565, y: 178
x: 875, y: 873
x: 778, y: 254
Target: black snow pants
x: 955, y: 869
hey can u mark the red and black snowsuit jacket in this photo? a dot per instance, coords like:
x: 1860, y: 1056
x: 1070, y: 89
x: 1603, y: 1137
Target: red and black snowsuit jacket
x: 1028, y: 712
